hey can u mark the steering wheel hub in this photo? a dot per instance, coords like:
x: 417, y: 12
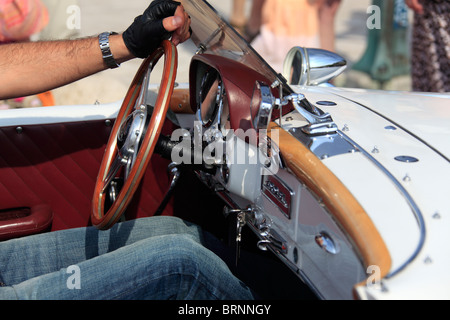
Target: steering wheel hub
x: 130, y: 135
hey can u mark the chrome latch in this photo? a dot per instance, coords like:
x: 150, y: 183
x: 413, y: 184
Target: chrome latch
x: 319, y: 123
x: 274, y: 240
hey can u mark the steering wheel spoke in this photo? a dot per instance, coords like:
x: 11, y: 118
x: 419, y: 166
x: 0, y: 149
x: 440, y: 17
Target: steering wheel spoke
x: 142, y: 100
x: 118, y: 163
x: 133, y: 137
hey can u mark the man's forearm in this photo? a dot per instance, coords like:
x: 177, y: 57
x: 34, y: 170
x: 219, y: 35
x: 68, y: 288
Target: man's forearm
x: 48, y: 65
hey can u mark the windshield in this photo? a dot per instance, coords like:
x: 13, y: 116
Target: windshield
x: 212, y: 34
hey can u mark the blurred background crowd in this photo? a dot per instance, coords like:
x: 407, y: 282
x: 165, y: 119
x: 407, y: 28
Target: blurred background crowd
x: 388, y: 44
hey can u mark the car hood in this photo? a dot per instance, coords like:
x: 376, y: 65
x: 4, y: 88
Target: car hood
x: 426, y: 116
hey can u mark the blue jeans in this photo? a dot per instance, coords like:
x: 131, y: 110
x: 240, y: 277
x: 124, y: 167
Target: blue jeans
x: 151, y: 258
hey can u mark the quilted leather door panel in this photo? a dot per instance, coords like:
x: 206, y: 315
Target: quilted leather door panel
x: 57, y: 164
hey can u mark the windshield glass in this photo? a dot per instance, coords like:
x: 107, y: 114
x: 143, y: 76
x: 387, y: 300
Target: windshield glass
x: 212, y: 34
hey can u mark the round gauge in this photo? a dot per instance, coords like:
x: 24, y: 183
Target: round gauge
x: 210, y: 97
x: 261, y: 106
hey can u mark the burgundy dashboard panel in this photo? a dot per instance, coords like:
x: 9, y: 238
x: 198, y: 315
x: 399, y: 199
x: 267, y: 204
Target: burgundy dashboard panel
x: 239, y: 81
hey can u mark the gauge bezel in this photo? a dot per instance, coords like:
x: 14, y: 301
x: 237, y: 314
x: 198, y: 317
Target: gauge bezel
x: 212, y: 118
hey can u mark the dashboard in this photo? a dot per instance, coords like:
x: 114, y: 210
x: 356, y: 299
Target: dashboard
x: 248, y: 172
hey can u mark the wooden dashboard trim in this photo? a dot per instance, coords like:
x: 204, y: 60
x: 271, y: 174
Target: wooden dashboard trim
x: 346, y: 210
x: 180, y: 101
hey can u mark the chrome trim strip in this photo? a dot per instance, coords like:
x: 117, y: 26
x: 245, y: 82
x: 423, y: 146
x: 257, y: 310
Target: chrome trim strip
x: 415, y: 209
x: 398, y: 126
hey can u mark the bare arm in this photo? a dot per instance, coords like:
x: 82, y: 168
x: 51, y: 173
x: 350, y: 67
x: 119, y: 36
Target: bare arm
x: 33, y: 67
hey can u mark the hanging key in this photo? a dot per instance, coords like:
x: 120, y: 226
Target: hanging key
x: 240, y: 223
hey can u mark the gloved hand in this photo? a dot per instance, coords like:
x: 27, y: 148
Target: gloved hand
x: 147, y: 31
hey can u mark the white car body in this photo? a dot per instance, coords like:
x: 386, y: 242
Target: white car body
x: 407, y: 201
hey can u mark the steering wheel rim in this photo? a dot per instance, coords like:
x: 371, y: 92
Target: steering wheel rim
x: 124, y: 136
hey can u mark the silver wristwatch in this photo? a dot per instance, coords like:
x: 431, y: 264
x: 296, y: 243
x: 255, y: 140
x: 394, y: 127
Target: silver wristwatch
x: 108, y: 57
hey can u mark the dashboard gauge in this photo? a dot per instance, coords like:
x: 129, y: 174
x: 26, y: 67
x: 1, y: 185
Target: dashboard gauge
x: 210, y: 98
x: 261, y: 106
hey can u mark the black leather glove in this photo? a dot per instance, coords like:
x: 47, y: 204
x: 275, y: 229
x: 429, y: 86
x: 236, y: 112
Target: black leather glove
x: 147, y: 31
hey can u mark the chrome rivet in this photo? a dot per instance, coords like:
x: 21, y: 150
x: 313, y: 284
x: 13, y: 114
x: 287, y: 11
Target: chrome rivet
x: 375, y: 150
x: 295, y: 254
x: 345, y: 128
x: 326, y: 103
x: 436, y: 216
x: 275, y: 84
x: 406, y: 159
x: 428, y: 260
x: 108, y: 123
x: 406, y: 178
x: 19, y: 130
x: 289, y: 118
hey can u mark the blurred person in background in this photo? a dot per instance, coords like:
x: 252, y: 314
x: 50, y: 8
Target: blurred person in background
x: 275, y: 26
x: 430, y: 60
x: 327, y: 14
x: 238, y: 17
x: 19, y: 20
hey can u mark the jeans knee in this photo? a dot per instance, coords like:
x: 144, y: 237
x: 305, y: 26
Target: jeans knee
x: 182, y: 268
x: 184, y: 255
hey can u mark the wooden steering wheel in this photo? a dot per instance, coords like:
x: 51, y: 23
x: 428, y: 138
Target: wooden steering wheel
x: 133, y: 139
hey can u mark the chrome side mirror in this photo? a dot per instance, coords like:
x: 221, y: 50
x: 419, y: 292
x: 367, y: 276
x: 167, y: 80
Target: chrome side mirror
x: 311, y: 67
